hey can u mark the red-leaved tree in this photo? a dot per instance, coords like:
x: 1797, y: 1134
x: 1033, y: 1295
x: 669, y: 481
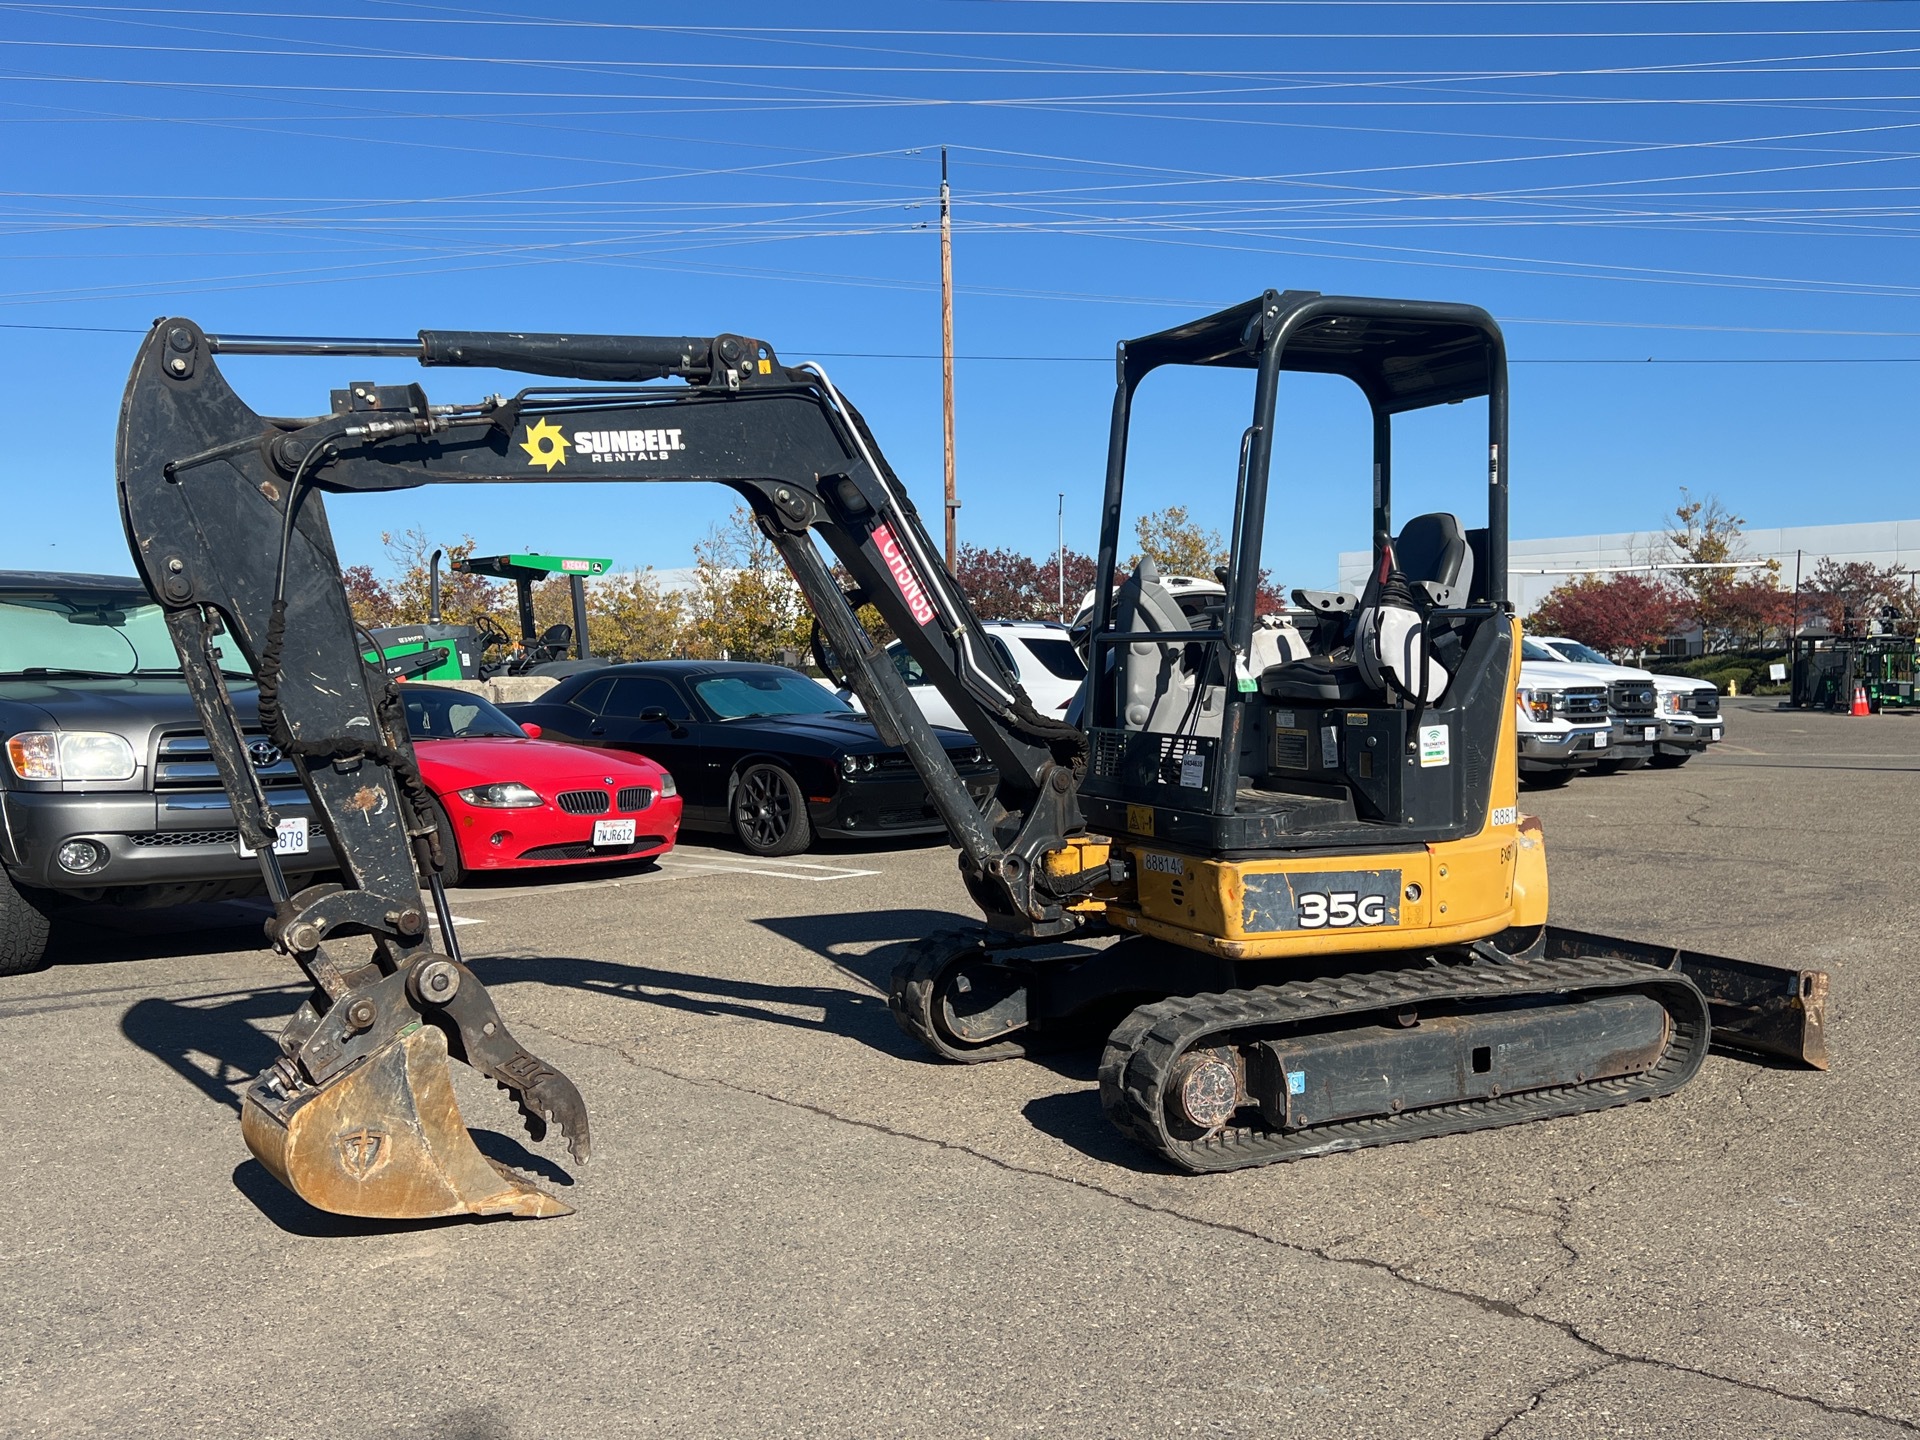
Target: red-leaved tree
x: 1003, y: 584
x: 1622, y: 614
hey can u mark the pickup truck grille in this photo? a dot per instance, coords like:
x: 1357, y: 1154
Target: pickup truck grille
x: 1586, y: 703
x: 184, y: 761
x: 1633, y: 697
x: 1706, y: 703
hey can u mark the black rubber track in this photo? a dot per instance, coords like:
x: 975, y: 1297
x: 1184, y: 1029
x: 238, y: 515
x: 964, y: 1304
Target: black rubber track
x: 1141, y: 1052
x: 914, y: 996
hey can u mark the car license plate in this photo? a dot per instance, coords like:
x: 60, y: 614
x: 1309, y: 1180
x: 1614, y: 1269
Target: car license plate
x: 1713, y: 734
x: 613, y: 832
x: 290, y: 839
x: 1600, y: 740
x: 1650, y: 731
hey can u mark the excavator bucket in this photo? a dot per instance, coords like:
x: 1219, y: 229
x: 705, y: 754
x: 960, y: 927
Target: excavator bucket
x: 384, y: 1141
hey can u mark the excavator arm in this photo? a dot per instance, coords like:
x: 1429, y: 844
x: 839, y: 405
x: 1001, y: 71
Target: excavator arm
x: 224, y: 513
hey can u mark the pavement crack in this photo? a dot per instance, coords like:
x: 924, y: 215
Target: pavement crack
x: 1534, y: 1400
x: 1604, y: 1353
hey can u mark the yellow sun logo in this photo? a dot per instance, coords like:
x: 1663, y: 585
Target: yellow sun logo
x: 545, y: 445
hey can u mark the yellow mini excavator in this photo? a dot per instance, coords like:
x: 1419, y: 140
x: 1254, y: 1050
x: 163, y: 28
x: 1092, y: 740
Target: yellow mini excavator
x: 1328, y: 917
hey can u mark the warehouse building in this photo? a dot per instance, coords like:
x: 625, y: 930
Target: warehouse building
x: 1536, y: 566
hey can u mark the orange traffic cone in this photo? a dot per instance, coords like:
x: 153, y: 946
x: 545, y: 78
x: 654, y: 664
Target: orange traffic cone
x: 1859, y: 700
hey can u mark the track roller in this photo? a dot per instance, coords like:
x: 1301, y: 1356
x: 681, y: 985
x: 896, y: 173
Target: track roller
x: 1250, y: 1077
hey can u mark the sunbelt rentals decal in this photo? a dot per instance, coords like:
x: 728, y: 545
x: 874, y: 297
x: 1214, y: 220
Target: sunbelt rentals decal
x: 903, y: 577
x: 547, y: 444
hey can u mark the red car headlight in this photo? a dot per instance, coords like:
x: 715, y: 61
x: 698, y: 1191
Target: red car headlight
x: 503, y: 795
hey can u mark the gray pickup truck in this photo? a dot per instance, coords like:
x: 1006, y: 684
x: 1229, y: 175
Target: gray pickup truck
x: 108, y: 793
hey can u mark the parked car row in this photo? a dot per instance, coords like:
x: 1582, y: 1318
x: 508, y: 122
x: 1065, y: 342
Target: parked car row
x: 1578, y: 711
x: 110, y: 792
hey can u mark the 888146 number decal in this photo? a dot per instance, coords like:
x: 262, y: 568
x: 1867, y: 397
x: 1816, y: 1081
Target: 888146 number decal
x: 1322, y: 900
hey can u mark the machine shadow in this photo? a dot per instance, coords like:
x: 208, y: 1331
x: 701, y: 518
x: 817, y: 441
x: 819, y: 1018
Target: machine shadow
x: 293, y: 1216
x: 842, y: 1012
x: 106, y: 934
x: 215, y: 1048
x: 1075, y: 1119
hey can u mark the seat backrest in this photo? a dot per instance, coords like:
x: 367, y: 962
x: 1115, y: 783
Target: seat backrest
x: 1432, y: 559
x: 1156, y: 692
x: 1432, y: 552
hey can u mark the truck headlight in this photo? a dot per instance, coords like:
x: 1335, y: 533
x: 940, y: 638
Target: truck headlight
x: 1539, y: 703
x: 503, y: 795
x: 1679, y: 702
x: 70, y: 755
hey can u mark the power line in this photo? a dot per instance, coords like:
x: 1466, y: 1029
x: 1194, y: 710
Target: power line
x: 1108, y: 359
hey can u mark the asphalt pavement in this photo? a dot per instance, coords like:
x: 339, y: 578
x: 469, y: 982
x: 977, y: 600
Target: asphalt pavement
x: 794, y: 1225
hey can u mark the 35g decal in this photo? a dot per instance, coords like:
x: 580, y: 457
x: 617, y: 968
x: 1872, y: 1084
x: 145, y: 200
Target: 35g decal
x: 1340, y: 909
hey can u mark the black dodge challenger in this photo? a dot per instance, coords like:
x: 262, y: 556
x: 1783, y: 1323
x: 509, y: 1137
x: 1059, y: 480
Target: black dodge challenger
x: 758, y: 750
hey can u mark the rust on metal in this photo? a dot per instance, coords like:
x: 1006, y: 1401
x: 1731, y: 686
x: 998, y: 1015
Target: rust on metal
x: 385, y: 1141
x: 1768, y: 1009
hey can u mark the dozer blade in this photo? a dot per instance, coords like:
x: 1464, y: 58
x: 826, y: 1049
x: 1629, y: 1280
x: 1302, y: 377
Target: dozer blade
x: 385, y: 1141
x: 1767, y: 1009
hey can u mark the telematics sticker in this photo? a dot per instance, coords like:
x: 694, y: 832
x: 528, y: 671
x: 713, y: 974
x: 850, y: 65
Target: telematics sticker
x: 1433, y: 746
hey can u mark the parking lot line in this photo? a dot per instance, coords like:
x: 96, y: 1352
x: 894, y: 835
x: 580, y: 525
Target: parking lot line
x: 778, y: 869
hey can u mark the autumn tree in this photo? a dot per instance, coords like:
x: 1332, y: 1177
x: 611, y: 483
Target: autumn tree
x: 1850, y: 595
x: 1735, y: 605
x: 1179, y: 545
x: 1623, y: 615
x: 1079, y: 572
x: 744, y: 604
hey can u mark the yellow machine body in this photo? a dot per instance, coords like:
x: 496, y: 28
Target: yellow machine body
x: 1448, y: 893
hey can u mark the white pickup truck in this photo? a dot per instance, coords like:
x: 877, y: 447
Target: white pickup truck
x: 1562, y: 716
x: 1684, y: 720
x: 1686, y: 713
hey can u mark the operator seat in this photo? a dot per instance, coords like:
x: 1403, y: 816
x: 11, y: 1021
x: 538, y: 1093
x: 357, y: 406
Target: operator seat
x: 1427, y: 567
x: 1161, y: 691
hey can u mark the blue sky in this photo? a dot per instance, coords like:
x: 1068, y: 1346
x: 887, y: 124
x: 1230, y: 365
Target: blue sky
x: 1724, y: 189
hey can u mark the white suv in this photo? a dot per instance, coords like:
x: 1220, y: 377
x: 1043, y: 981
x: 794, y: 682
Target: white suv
x: 1686, y: 717
x: 1038, y: 653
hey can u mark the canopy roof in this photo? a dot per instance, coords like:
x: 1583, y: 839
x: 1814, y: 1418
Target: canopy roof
x: 1404, y: 354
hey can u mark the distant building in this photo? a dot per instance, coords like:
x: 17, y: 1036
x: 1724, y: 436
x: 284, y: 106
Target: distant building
x: 1536, y: 566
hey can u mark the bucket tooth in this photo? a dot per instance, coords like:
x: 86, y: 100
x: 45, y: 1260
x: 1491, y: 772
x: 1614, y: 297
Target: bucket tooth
x: 385, y: 1141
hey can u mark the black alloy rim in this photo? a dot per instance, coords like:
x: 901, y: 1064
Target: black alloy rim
x: 764, y: 807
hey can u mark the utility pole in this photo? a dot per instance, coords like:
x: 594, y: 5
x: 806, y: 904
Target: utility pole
x: 1060, y: 557
x: 946, y: 352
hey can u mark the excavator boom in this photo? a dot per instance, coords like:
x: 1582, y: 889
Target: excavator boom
x: 224, y: 514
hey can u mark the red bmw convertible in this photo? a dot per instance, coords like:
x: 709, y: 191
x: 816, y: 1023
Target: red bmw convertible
x: 508, y: 800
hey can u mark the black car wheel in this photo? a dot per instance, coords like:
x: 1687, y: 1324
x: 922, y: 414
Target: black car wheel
x: 769, y: 812
x: 452, y: 872
x: 23, y: 929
